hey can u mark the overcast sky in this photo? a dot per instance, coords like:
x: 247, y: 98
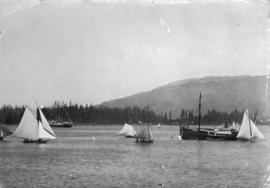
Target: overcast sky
x: 93, y: 51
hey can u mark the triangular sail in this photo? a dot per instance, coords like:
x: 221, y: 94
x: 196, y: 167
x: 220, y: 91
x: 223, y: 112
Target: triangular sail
x: 255, y: 131
x: 4, y: 131
x: 233, y: 125
x: 127, y: 130
x: 248, y: 129
x: 149, y: 134
x: 28, y: 126
x: 45, y: 123
x: 43, y: 134
x: 134, y: 131
x: 244, y: 131
x: 237, y: 126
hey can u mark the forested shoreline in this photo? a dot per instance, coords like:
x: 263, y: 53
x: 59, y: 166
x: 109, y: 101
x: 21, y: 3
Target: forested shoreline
x: 89, y: 114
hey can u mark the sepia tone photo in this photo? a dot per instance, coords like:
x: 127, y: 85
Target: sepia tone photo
x: 135, y: 93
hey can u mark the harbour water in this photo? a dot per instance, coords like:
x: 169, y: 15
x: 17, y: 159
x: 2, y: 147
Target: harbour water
x: 95, y: 156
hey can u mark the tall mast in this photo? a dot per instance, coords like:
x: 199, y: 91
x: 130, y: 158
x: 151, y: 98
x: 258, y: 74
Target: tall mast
x: 200, y: 112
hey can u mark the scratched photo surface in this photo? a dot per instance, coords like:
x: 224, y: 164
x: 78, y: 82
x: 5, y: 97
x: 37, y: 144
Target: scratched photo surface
x: 99, y: 64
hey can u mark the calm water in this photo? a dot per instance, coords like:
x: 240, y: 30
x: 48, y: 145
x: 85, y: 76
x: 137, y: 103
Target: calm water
x: 98, y: 157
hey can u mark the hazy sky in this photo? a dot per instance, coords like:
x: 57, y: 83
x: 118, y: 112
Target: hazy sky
x: 92, y: 51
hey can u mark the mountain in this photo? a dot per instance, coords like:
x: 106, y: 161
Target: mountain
x: 221, y: 93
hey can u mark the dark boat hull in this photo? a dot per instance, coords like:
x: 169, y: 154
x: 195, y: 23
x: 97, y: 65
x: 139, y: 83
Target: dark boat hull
x: 62, y: 124
x: 144, y: 141
x: 191, y: 134
x: 130, y: 136
x: 39, y: 141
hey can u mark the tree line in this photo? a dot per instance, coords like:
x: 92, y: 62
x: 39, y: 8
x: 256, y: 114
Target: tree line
x: 213, y: 117
x: 61, y: 111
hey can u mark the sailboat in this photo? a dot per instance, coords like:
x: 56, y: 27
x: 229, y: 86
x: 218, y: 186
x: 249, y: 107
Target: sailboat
x: 144, y: 134
x: 158, y: 126
x: 128, y: 131
x: 233, y: 126
x: 4, y: 131
x: 237, y: 126
x: 249, y: 130
x: 34, y: 127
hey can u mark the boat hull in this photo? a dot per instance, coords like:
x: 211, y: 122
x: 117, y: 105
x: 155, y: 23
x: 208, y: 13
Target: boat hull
x: 220, y: 136
x: 191, y: 134
x: 144, y: 141
x: 127, y: 136
x: 62, y: 124
x: 39, y: 141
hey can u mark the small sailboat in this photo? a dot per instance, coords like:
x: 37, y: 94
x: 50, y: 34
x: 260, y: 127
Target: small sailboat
x: 34, y: 127
x: 158, y: 126
x: 237, y: 126
x: 144, y: 134
x: 4, y: 131
x: 233, y: 126
x: 128, y: 131
x: 249, y: 130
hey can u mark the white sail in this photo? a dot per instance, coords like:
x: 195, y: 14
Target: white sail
x: 248, y: 129
x: 255, y: 131
x: 233, y: 125
x: 244, y: 131
x: 149, y: 134
x: 28, y: 126
x: 127, y: 130
x: 145, y: 133
x: 45, y: 123
x: 142, y: 133
x: 1, y: 133
x: 237, y: 126
x: 158, y: 126
x: 43, y: 134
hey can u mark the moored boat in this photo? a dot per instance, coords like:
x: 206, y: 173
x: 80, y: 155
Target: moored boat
x: 64, y: 124
x: 60, y: 122
x: 194, y: 134
x: 222, y: 133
